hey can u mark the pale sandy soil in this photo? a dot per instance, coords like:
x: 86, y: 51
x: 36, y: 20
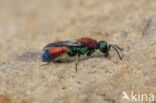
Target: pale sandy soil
x: 26, y: 26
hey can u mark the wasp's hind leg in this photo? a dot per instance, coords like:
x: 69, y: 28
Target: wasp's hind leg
x: 54, y: 60
x: 77, y: 61
x: 59, y: 57
x: 48, y: 63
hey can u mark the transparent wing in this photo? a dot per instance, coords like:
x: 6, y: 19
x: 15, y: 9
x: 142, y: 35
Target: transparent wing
x: 70, y: 43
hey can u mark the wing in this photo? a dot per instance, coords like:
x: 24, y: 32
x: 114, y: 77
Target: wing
x: 70, y: 43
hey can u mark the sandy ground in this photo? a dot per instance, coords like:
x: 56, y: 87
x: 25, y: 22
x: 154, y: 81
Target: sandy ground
x: 26, y: 26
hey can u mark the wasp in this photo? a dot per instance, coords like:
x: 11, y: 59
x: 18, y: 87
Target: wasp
x: 81, y: 46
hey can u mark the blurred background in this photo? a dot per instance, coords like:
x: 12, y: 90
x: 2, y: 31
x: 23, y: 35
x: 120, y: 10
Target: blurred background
x: 26, y: 26
x: 44, y: 21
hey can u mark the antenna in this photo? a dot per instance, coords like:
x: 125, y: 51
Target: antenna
x: 115, y: 47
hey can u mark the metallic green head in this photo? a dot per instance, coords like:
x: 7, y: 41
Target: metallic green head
x: 103, y: 47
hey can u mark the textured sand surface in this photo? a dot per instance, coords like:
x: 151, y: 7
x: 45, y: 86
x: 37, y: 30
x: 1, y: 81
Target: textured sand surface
x: 26, y: 26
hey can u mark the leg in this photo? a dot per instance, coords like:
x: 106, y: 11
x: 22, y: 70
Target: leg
x: 90, y: 52
x: 99, y: 52
x: 59, y: 56
x: 53, y: 61
x: 47, y: 63
x: 77, y: 61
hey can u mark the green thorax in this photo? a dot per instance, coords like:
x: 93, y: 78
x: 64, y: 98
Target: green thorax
x: 81, y: 50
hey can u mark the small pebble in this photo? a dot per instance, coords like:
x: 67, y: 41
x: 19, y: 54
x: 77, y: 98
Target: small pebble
x: 146, y: 68
x: 123, y: 34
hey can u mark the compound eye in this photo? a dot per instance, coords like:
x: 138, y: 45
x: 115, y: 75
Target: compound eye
x: 104, y: 47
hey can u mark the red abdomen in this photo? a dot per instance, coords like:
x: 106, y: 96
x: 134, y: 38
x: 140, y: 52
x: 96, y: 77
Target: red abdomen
x: 91, y: 43
x: 56, y: 52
